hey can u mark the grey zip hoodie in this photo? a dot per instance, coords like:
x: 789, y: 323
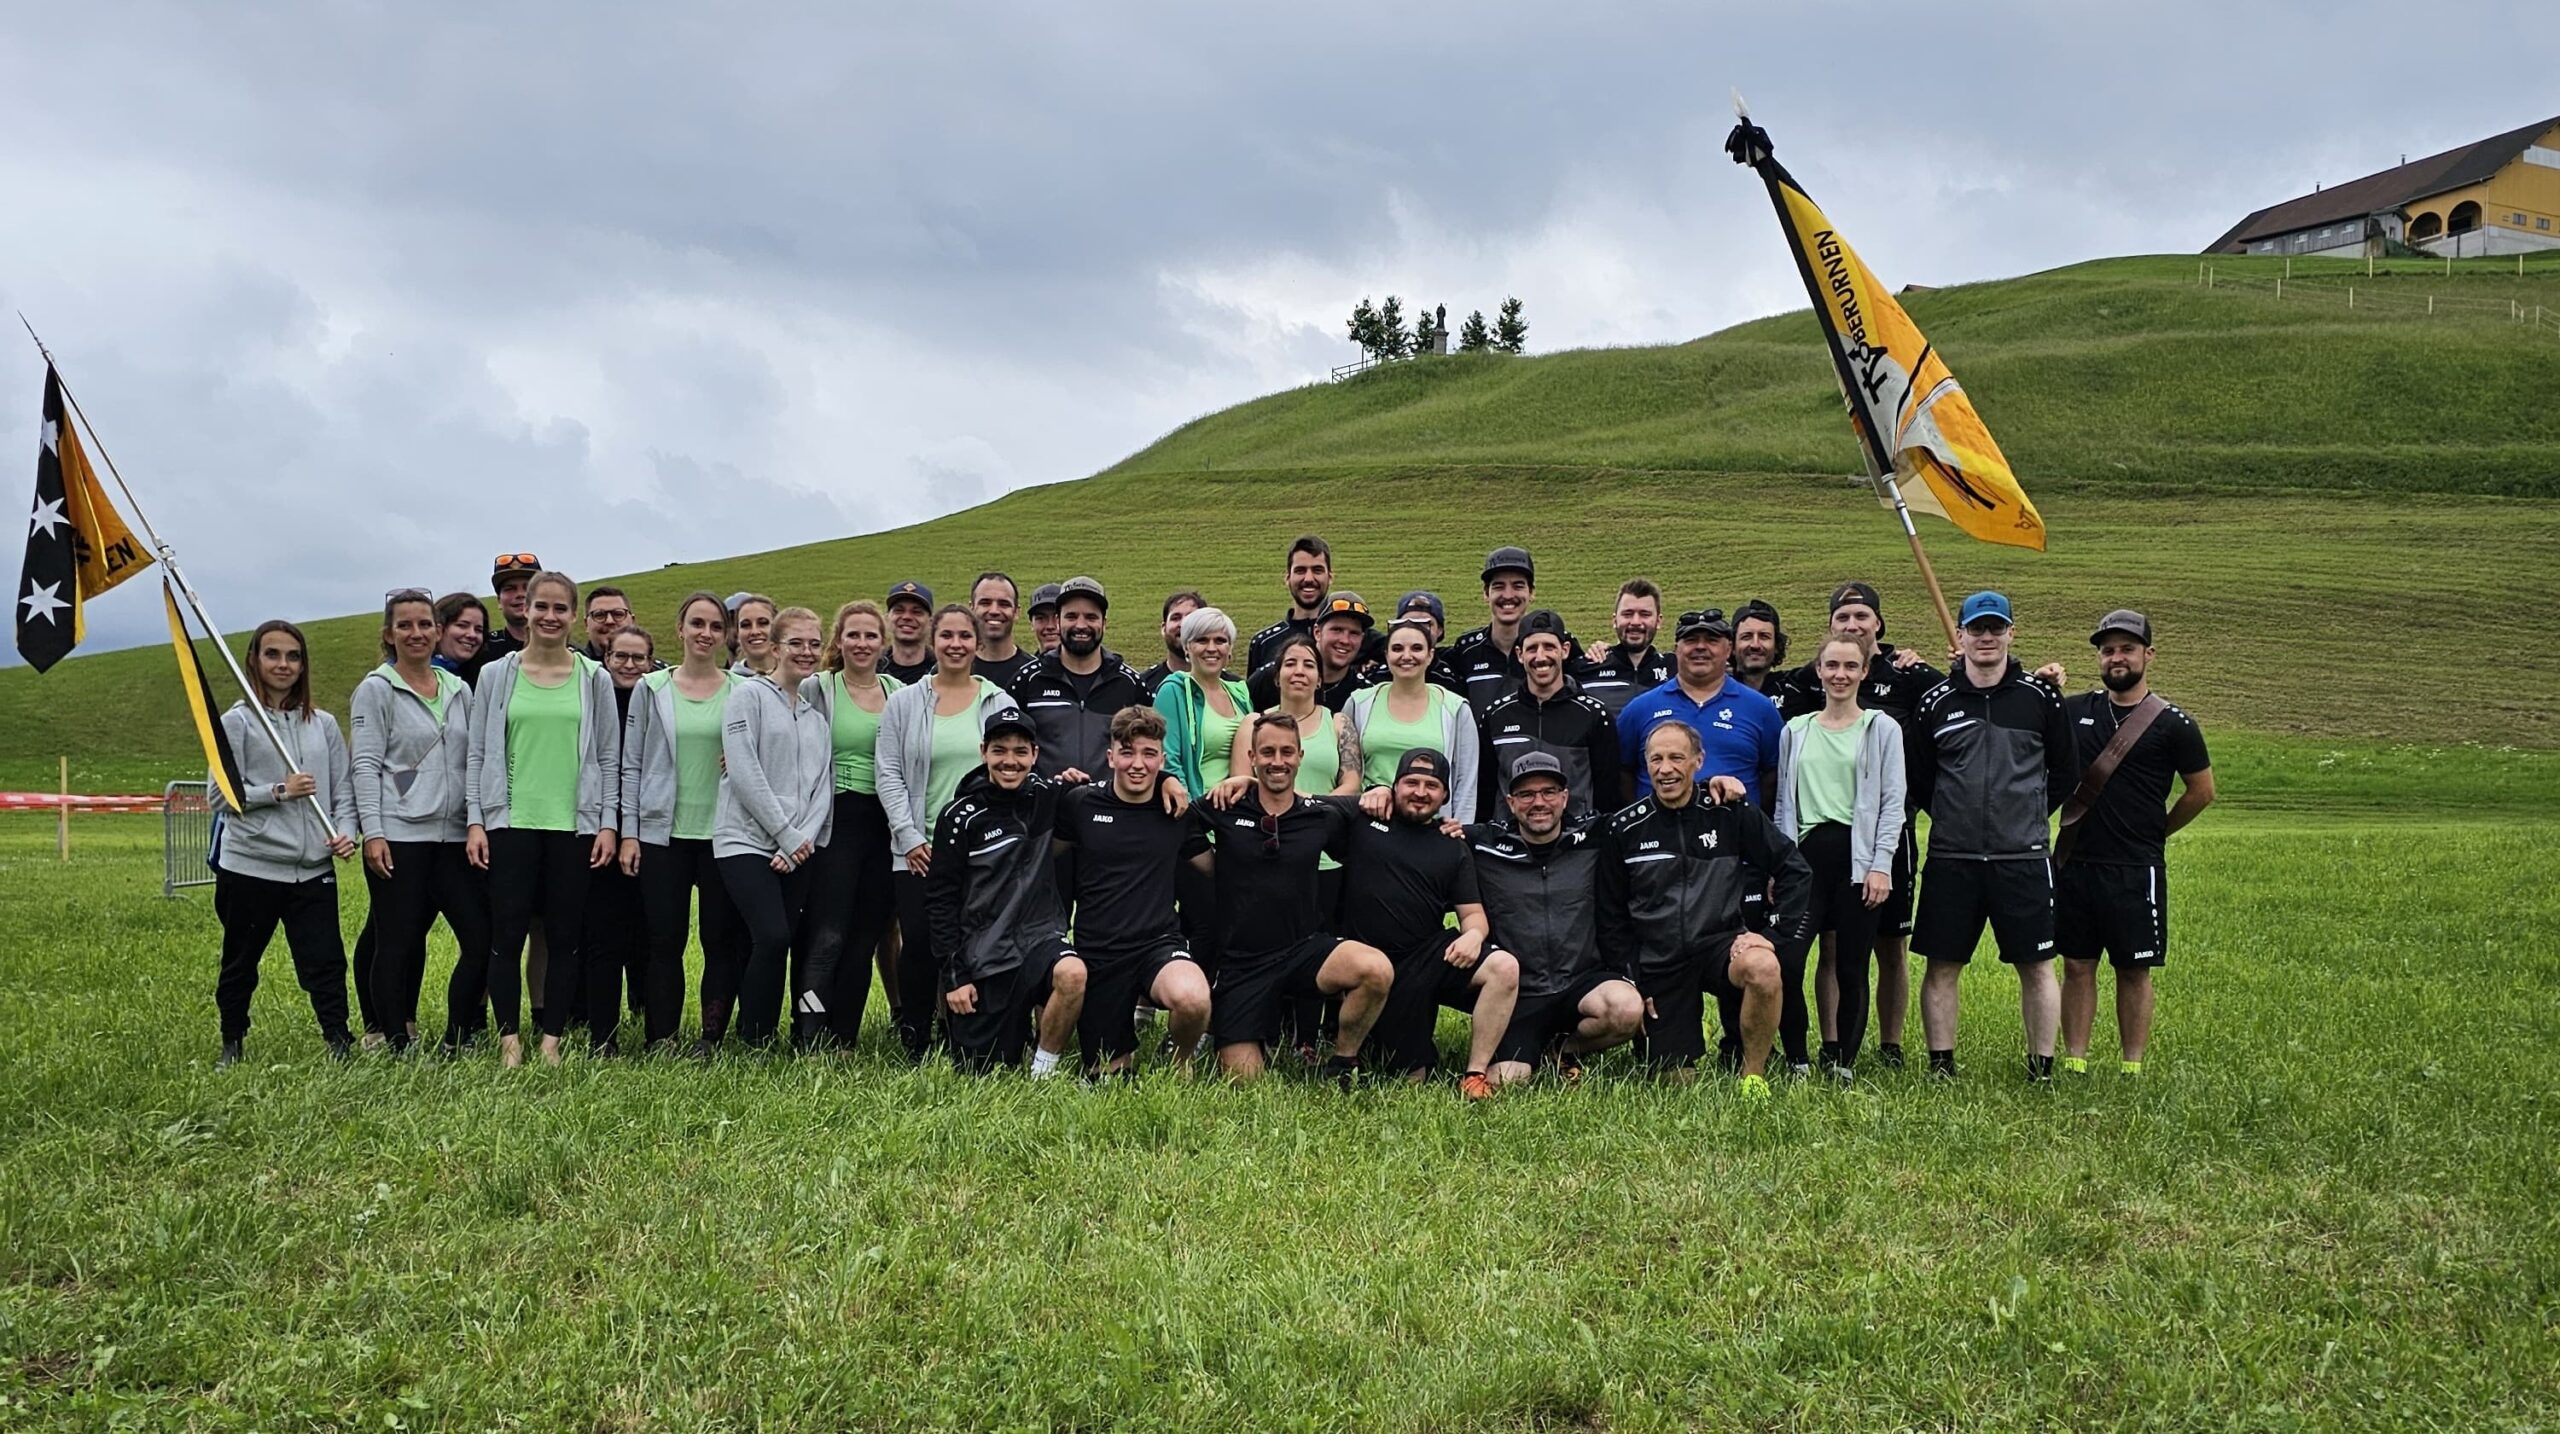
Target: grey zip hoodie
x: 284, y: 841
x: 781, y: 787
x: 1875, y: 827
x: 412, y: 773
x: 649, y: 758
x: 904, y: 759
x: 599, y: 745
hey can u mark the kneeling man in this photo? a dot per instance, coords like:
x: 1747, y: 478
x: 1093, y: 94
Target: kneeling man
x: 1540, y: 880
x: 992, y: 897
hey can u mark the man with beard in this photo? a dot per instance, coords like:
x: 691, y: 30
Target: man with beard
x: 608, y: 612
x: 1402, y: 879
x: 1992, y: 757
x: 1617, y: 673
x: 1071, y: 694
x: 910, y: 656
x: 1539, y: 878
x: 1044, y: 619
x: 1487, y: 658
x: 1177, y: 606
x: 2111, y: 888
x: 1341, y: 638
x: 994, y: 598
x: 1548, y: 713
x: 1759, y: 647
x: 1310, y: 578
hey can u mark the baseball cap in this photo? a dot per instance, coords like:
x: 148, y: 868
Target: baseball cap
x: 1080, y: 587
x: 1761, y: 609
x: 1535, y: 764
x: 1548, y: 621
x: 1982, y: 605
x: 1427, y: 761
x: 2126, y: 621
x: 735, y: 599
x: 1007, y: 719
x: 1428, y: 601
x: 912, y: 589
x: 1345, y: 603
x: 1509, y: 560
x: 1045, y: 595
x: 513, y: 565
x: 1709, y: 621
x: 1848, y: 593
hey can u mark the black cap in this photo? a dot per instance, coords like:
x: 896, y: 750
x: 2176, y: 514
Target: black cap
x: 1848, y: 593
x: 1426, y: 760
x: 1535, y: 764
x: 1045, y: 595
x: 1707, y: 620
x: 913, y: 589
x: 1509, y: 560
x: 1080, y: 587
x: 1548, y: 621
x: 513, y: 565
x: 1759, y: 608
x: 2125, y: 620
x: 1007, y: 719
x: 1426, y: 600
x: 1345, y: 603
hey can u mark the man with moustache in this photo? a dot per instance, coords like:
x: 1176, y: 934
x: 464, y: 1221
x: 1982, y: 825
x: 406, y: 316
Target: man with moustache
x: 1310, y: 580
x: 1618, y: 672
x: 1342, y: 640
x: 1539, y: 880
x: 1071, y: 694
x: 1548, y: 713
x: 1487, y: 658
x: 910, y: 655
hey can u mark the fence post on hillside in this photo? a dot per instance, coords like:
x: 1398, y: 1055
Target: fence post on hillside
x: 2208, y: 276
x: 62, y: 815
x: 2368, y: 263
x: 2431, y: 303
x: 2351, y: 296
x: 2280, y: 282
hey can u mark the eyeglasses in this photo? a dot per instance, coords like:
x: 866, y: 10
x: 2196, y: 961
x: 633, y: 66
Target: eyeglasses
x: 803, y: 644
x: 617, y: 612
x: 626, y: 657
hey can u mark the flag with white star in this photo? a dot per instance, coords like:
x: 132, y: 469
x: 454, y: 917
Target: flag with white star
x: 77, y: 543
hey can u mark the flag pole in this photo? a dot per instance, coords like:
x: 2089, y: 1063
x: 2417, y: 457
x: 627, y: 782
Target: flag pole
x: 1880, y: 472
x: 168, y: 557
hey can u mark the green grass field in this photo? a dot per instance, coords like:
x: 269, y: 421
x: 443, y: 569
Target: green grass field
x: 2329, y: 1202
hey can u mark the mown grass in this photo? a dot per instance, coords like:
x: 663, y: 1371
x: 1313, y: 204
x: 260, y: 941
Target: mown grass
x: 2330, y: 1202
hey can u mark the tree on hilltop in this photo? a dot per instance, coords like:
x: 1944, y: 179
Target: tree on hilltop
x: 1474, y: 336
x: 1364, y: 327
x: 1394, y: 339
x: 1510, y: 330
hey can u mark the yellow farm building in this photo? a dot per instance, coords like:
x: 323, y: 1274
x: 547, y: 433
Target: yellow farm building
x: 2500, y: 195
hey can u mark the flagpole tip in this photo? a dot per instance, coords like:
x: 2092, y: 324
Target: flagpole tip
x: 1740, y: 110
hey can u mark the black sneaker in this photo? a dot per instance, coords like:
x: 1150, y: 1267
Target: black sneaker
x: 230, y: 1056
x: 342, y: 1048
x: 1942, y: 1065
x: 1345, y: 1071
x: 1891, y: 1055
x: 1829, y: 1055
x: 2039, y: 1069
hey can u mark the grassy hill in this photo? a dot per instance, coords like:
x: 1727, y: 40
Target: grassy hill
x: 2314, y: 504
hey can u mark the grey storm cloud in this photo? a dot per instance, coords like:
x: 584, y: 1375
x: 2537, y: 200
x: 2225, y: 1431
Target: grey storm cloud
x: 361, y: 294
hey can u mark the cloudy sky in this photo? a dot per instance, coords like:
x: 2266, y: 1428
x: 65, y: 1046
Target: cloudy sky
x: 361, y: 293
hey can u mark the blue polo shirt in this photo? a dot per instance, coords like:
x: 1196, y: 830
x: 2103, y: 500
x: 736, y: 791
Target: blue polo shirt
x: 1738, y: 727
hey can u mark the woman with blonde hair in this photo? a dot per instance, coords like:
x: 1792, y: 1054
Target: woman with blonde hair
x: 1841, y: 795
x: 670, y: 809
x: 776, y: 809
x: 852, y: 903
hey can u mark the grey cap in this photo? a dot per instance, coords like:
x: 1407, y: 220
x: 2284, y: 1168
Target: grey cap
x: 2124, y: 620
x: 1080, y: 587
x: 1045, y: 595
x: 1007, y: 719
x: 735, y: 599
x: 1535, y: 764
x: 1509, y: 560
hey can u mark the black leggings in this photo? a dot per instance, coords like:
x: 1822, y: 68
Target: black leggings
x: 537, y: 874
x: 850, y: 905
x: 769, y: 904
x: 919, y: 973
x: 1839, y: 907
x: 366, y: 1012
x: 250, y: 909
x: 612, y: 947
x: 428, y: 879
x: 669, y: 877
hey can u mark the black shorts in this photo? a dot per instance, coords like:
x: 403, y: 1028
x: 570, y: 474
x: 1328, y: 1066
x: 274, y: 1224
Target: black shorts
x: 1251, y: 991
x: 2121, y: 912
x: 1115, y: 981
x: 1959, y: 894
x: 1540, y: 1023
x: 1675, y: 1032
x: 1408, y: 1028
x: 999, y: 1031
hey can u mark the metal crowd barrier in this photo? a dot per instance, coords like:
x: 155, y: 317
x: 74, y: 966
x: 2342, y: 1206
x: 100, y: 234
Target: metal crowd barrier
x: 186, y: 837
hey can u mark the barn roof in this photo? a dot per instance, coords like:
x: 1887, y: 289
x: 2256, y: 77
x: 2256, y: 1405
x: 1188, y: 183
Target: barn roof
x: 2468, y: 164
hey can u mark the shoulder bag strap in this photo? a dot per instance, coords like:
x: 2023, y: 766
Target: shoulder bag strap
x: 2094, y: 780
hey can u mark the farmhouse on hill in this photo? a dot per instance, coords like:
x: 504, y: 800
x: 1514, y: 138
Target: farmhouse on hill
x: 2500, y: 195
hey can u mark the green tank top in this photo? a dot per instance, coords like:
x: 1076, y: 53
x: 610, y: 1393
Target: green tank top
x: 697, y: 745
x: 857, y: 736
x: 542, y: 753
x: 1827, y: 770
x: 955, y: 755
x: 1218, y: 743
x: 1319, y: 769
x: 1385, y: 740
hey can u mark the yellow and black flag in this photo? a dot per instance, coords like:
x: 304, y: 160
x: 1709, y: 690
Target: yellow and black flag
x: 77, y: 544
x: 221, y: 767
x: 1916, y: 422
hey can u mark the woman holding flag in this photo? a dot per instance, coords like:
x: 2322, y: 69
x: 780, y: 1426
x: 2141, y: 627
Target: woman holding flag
x: 411, y: 723
x: 271, y: 854
x: 545, y: 790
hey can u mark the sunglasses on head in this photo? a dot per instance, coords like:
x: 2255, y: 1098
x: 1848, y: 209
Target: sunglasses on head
x: 408, y: 595
x: 514, y: 560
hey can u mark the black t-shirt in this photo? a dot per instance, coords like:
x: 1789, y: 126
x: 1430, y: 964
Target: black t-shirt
x: 1267, y: 872
x: 907, y: 673
x: 2129, y: 824
x: 1126, y: 855
x: 1400, y: 881
x: 1002, y: 671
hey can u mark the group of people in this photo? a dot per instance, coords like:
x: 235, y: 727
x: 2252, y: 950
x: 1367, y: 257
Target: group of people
x: 1305, y: 843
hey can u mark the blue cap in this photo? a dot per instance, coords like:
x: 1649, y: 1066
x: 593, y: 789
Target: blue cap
x: 1982, y: 605
x: 1425, y: 599
x: 912, y: 589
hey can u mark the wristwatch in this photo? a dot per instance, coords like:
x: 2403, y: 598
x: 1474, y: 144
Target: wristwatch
x: 276, y: 793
